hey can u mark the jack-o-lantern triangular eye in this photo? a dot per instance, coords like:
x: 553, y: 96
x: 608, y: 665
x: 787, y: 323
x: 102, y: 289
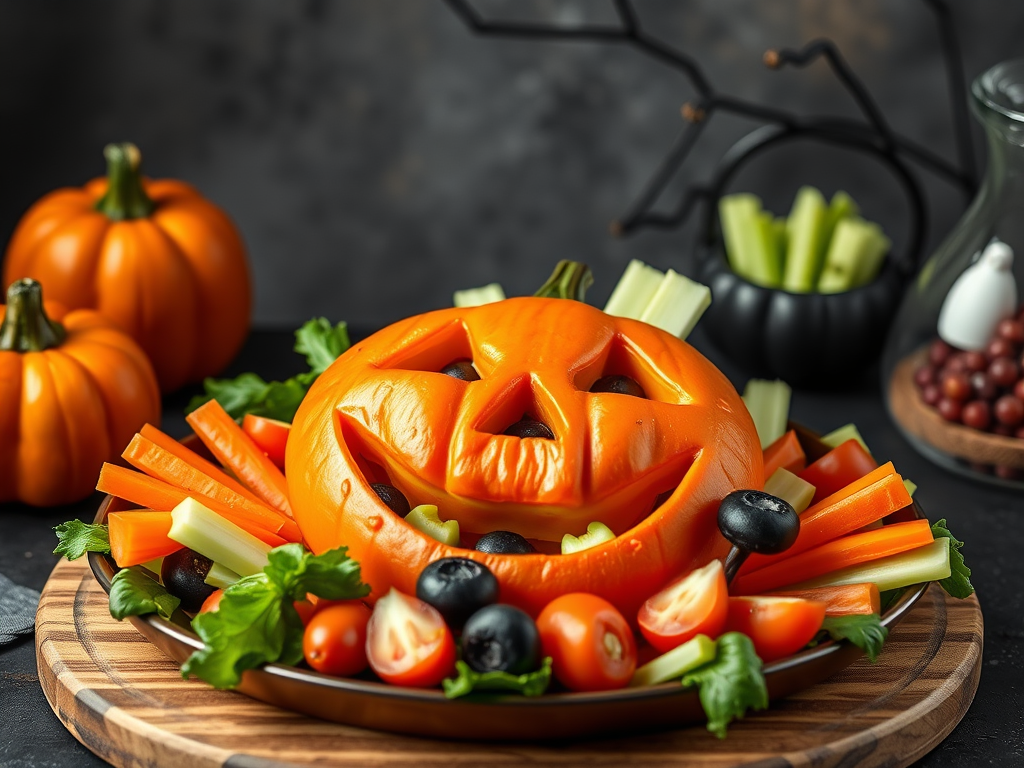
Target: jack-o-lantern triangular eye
x: 623, y: 370
x: 447, y: 351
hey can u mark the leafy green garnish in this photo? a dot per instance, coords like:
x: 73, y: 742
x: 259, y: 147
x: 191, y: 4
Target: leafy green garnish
x: 317, y: 339
x: 864, y: 631
x: 731, y: 684
x: 133, y: 593
x: 75, y: 538
x: 958, y: 584
x: 469, y: 681
x: 256, y: 621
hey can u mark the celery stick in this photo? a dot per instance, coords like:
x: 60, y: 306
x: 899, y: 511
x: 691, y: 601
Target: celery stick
x: 677, y: 304
x: 739, y: 215
x: 425, y: 519
x: 768, y: 403
x: 767, y: 261
x: 474, y: 297
x: 221, y: 577
x: 676, y: 663
x: 787, y: 486
x: 805, y: 252
x: 910, y: 485
x: 597, y: 533
x: 840, y: 207
x: 854, y: 256
x: 927, y: 563
x: 203, y: 530
x: 781, y: 243
x: 837, y: 437
x: 634, y: 290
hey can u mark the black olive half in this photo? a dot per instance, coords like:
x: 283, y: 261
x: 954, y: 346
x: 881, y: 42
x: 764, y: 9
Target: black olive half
x: 501, y: 638
x: 504, y: 543
x: 393, y: 497
x: 457, y: 587
x: 619, y: 385
x: 529, y: 427
x: 183, y: 574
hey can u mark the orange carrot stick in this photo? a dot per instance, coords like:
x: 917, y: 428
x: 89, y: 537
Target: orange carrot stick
x: 237, y: 451
x: 786, y: 452
x: 879, y: 493
x: 840, y: 601
x: 140, y: 535
x: 840, y: 553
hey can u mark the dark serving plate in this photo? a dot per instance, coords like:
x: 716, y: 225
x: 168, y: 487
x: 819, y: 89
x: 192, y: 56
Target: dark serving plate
x: 371, y: 704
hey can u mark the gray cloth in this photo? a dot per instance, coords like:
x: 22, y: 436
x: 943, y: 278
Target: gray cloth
x: 17, y: 610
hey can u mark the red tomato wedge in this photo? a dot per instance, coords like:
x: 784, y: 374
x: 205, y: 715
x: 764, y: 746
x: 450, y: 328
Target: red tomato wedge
x: 408, y: 643
x: 270, y: 435
x: 695, y: 604
x: 787, y: 453
x: 590, y: 644
x: 838, y: 468
x: 778, y: 626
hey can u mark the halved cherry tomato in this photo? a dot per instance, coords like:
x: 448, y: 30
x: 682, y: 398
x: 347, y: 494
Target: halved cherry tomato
x: 778, y: 626
x: 212, y: 602
x: 335, y: 638
x: 590, y: 644
x: 270, y: 435
x: 837, y: 469
x: 695, y: 604
x: 408, y: 643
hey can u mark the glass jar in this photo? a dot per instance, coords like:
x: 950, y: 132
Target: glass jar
x: 924, y: 379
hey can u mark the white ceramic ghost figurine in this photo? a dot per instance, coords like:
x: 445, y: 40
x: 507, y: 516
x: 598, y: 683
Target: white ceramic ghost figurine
x: 982, y: 296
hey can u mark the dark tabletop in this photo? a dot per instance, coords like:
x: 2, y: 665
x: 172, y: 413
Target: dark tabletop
x: 990, y: 520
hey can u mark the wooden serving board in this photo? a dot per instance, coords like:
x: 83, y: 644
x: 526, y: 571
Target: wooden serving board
x: 124, y: 700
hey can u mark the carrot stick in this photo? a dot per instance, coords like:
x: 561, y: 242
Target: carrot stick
x: 872, y: 497
x: 840, y: 601
x: 172, y: 446
x: 152, y: 493
x: 237, y: 451
x: 139, y: 535
x: 786, y: 452
x: 841, y: 553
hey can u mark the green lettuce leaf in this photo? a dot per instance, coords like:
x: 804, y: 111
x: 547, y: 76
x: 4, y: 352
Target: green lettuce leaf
x: 958, y: 584
x: 321, y: 342
x: 468, y: 681
x: 133, y: 593
x: 864, y: 631
x: 75, y: 538
x: 332, y: 575
x: 731, y: 684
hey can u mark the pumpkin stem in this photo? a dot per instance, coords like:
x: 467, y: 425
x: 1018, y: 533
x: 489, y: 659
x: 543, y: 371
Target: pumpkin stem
x: 125, y: 198
x: 570, y: 280
x: 26, y: 328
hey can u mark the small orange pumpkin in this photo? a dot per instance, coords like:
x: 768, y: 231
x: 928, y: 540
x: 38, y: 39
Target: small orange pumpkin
x: 653, y: 469
x: 154, y: 256
x: 72, y: 394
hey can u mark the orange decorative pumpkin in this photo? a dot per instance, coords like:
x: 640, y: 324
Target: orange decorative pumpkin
x: 72, y: 394
x: 154, y: 256
x: 653, y: 468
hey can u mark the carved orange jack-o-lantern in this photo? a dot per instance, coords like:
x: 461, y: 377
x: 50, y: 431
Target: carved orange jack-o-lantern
x: 652, y: 469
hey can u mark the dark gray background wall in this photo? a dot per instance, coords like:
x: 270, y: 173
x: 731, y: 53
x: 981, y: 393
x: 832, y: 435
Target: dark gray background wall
x: 376, y: 155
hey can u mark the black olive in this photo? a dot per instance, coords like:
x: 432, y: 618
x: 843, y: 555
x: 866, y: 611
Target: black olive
x: 461, y: 369
x: 183, y: 574
x: 457, y: 587
x: 619, y: 385
x: 393, y: 497
x: 755, y: 521
x: 501, y: 638
x: 528, y: 427
x: 504, y: 543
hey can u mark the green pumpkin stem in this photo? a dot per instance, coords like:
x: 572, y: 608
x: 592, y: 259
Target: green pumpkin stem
x: 570, y: 280
x: 125, y: 198
x: 26, y: 328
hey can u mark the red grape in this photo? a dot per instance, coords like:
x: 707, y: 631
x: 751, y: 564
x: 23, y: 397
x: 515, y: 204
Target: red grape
x: 983, y: 387
x: 955, y: 363
x: 1018, y: 390
x: 950, y: 410
x: 1000, y: 347
x: 924, y: 375
x: 1009, y: 410
x: 974, y: 361
x: 977, y: 414
x: 1003, y: 371
x: 956, y: 386
x: 939, y: 352
x: 931, y: 394
x: 1011, y: 330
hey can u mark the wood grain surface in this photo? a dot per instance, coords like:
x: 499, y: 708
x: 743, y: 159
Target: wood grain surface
x: 127, y: 702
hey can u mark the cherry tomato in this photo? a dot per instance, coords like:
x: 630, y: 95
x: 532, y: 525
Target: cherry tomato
x: 778, y: 626
x: 335, y: 639
x: 837, y: 469
x: 270, y: 435
x: 591, y: 646
x: 408, y: 643
x: 212, y: 603
x: 695, y: 604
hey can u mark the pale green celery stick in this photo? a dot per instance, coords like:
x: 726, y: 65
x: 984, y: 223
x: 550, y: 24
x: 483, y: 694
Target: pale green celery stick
x: 676, y: 663
x: 634, y: 290
x: 805, y: 250
x: 910, y: 485
x: 597, y: 533
x: 927, y: 563
x: 854, y: 256
x: 475, y: 297
x: 785, y: 485
x: 767, y: 261
x: 874, y: 258
x: 677, y: 304
x: 781, y: 243
x: 203, y: 530
x: 837, y: 437
x: 739, y: 215
x: 425, y: 519
x: 221, y: 577
x: 153, y: 566
x: 840, y: 207
x: 768, y: 403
